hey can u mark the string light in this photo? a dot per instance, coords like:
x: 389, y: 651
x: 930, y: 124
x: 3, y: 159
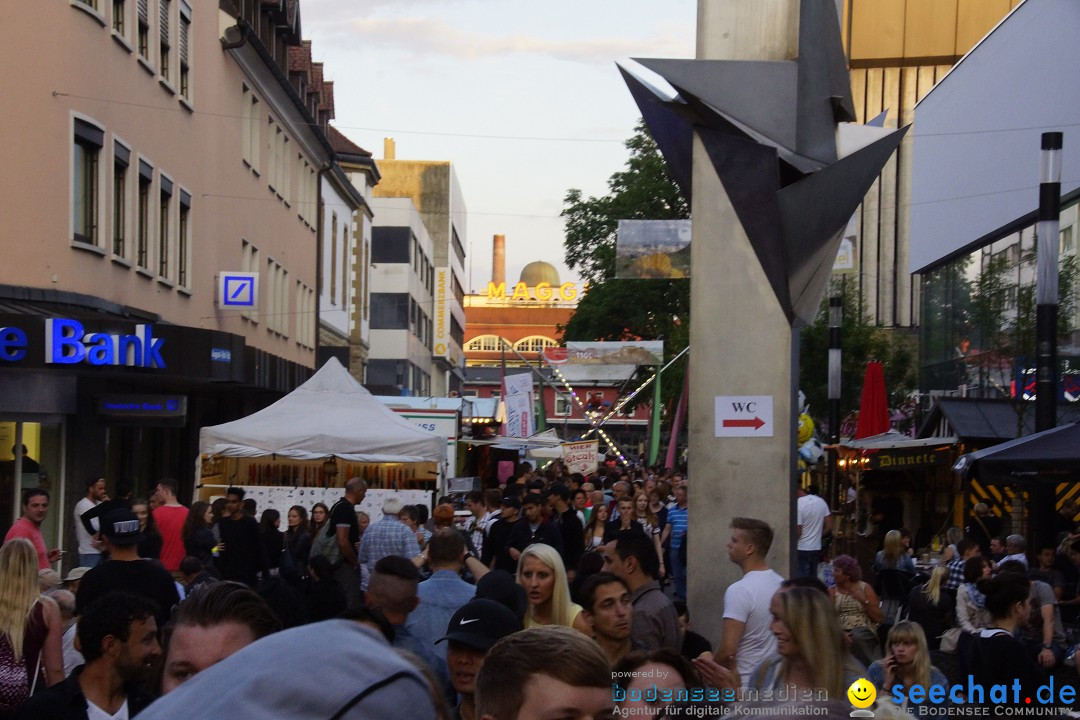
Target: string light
x: 590, y: 416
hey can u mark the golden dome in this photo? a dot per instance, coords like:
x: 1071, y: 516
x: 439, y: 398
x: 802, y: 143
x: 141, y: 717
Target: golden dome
x: 539, y: 272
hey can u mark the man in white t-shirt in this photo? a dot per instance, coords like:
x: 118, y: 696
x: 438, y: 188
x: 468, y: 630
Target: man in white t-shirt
x: 747, y: 638
x: 89, y: 552
x: 814, y: 520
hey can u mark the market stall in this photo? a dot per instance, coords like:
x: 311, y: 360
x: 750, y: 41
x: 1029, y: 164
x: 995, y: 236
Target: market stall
x: 327, y: 430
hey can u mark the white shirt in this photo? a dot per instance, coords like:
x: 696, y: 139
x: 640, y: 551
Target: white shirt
x: 93, y: 712
x: 86, y: 547
x: 1018, y: 557
x: 748, y: 602
x: 811, y: 511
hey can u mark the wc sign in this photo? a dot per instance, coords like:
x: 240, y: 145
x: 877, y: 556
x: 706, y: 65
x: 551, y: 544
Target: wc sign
x: 238, y: 290
x: 744, y: 416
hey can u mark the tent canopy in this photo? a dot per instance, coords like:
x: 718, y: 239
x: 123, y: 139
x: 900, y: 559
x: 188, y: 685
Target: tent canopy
x: 330, y: 414
x: 1049, y: 456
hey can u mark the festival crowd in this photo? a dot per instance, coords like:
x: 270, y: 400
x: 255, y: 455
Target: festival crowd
x: 554, y: 596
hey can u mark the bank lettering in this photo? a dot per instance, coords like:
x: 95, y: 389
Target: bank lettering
x: 68, y: 343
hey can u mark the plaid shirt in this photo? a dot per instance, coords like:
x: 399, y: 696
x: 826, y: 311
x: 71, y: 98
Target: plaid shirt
x: 388, y: 536
x: 956, y: 574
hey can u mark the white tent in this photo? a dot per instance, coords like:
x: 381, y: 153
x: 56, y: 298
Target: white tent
x: 330, y: 414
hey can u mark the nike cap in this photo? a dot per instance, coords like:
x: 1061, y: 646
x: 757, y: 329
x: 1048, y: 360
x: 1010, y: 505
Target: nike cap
x: 480, y: 624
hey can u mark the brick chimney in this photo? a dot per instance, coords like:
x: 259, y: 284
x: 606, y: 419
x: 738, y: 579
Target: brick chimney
x: 498, y: 259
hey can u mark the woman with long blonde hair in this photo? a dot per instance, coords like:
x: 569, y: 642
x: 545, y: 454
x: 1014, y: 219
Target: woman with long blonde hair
x: 541, y: 573
x: 893, y: 555
x: 906, y: 663
x: 811, y: 653
x: 29, y: 623
x: 933, y: 608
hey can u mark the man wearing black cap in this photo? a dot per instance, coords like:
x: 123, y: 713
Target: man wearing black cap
x: 533, y: 529
x: 474, y: 628
x: 125, y: 571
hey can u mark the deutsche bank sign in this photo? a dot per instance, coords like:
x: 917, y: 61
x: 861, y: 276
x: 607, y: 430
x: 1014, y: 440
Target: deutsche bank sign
x: 238, y: 290
x: 67, y: 343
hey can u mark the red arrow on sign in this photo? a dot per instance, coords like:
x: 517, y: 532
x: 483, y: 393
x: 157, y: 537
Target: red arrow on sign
x: 756, y: 423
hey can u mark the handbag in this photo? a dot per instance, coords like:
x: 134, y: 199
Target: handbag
x: 950, y: 639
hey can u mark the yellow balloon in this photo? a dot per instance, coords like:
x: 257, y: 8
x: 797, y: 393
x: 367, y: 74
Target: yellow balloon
x: 862, y: 693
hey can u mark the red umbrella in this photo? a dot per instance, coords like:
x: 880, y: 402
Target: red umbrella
x: 874, y: 407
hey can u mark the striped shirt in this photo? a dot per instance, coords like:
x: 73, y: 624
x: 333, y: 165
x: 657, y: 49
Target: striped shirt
x: 677, y: 519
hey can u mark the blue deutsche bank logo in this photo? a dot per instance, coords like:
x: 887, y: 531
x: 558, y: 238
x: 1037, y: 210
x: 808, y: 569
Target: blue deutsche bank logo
x: 238, y: 291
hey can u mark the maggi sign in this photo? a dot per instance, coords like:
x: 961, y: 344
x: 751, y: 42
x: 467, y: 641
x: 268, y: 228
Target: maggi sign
x: 543, y: 292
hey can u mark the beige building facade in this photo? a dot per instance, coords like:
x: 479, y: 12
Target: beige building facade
x: 156, y: 151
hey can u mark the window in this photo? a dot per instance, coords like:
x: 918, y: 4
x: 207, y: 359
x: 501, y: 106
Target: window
x: 185, y: 43
x: 250, y: 130
x: 346, y: 259
x: 1068, y: 245
x: 389, y: 311
x: 164, y: 227
x: 87, y: 145
x: 165, y: 11
x: 456, y: 242
x: 484, y: 343
x: 142, y: 238
x: 121, y: 161
x: 183, y: 239
x: 564, y: 404
x: 390, y: 244
x: 278, y: 298
x: 249, y: 262
x: 305, y: 315
x: 144, y: 29
x: 533, y: 344
x: 89, y: 3
x: 333, y: 259
x: 119, y: 17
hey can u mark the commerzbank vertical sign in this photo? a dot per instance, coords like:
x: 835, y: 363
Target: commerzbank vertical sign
x: 441, y: 348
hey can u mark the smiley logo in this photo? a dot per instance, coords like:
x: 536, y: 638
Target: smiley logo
x: 862, y: 693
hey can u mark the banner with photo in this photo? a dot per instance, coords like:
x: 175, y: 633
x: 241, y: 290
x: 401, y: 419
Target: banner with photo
x: 635, y: 352
x: 581, y: 457
x: 519, y: 415
x: 652, y: 250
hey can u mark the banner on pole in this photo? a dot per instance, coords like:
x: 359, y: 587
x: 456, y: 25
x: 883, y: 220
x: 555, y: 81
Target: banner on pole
x: 637, y: 352
x: 519, y: 417
x: 652, y: 249
x: 520, y: 384
x: 581, y: 457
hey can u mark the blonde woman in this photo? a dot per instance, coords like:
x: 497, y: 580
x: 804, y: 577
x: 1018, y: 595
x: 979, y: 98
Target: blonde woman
x: 541, y: 573
x: 932, y: 608
x: 29, y: 623
x: 893, y: 556
x: 811, y: 652
x: 906, y: 663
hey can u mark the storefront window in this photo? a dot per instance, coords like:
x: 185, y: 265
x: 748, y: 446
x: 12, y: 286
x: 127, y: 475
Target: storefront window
x: 41, y: 467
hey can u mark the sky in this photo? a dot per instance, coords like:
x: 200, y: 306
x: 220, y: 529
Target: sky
x: 524, y: 98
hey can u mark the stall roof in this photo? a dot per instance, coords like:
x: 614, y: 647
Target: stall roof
x: 893, y: 440
x: 984, y: 419
x: 1052, y: 453
x: 330, y: 414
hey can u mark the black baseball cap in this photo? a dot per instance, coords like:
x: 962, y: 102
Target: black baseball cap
x: 121, y: 527
x: 480, y: 624
x: 500, y: 586
x: 511, y: 501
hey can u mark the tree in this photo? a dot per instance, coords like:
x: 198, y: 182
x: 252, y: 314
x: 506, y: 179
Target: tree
x: 616, y: 309
x: 862, y: 342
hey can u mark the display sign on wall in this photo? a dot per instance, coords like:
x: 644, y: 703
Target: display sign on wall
x: 238, y: 290
x: 441, y: 346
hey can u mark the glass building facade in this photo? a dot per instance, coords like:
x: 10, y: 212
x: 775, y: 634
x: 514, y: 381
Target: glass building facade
x: 977, y: 324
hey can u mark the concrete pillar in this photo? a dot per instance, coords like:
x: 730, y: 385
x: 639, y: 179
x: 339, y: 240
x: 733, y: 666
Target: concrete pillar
x: 741, y: 342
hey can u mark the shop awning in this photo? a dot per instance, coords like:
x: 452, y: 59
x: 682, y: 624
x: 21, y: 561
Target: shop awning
x: 1049, y: 456
x: 986, y: 420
